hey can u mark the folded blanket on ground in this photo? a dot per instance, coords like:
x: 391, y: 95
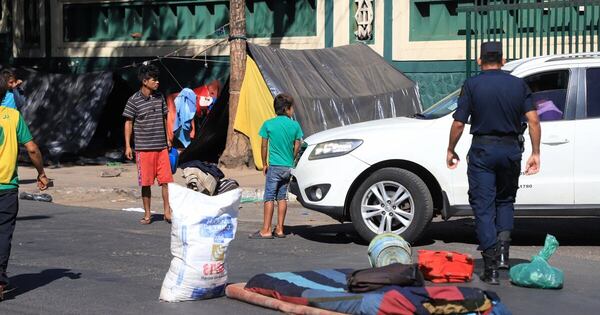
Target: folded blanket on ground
x: 326, y: 289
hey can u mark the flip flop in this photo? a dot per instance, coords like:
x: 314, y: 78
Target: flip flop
x: 257, y: 236
x: 277, y: 235
x: 145, y: 221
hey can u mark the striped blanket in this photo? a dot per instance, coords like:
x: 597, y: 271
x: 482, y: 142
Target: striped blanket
x: 326, y: 289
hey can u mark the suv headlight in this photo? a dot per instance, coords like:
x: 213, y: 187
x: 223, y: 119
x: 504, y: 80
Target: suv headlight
x: 334, y: 148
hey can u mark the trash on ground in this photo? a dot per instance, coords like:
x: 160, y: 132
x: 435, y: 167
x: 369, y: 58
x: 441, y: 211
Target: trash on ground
x: 36, y: 197
x: 134, y: 209
x: 446, y: 266
x: 131, y: 193
x: 250, y: 196
x: 202, y: 228
x: 538, y: 273
x: 111, y: 172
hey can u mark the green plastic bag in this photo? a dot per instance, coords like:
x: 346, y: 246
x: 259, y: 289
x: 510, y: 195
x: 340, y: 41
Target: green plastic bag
x: 538, y: 273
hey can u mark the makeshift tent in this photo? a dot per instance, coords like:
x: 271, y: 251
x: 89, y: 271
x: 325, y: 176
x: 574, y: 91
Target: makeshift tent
x: 73, y: 115
x: 63, y: 110
x: 332, y: 87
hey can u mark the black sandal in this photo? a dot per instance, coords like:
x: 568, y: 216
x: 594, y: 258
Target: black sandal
x: 257, y: 236
x: 278, y: 235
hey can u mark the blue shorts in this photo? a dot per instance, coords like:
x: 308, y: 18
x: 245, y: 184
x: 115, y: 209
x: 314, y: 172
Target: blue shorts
x: 276, y: 185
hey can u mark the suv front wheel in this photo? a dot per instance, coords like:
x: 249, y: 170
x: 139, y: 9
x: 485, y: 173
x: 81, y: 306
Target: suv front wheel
x: 391, y: 200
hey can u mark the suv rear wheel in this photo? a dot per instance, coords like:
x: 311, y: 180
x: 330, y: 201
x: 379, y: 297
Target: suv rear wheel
x: 392, y: 200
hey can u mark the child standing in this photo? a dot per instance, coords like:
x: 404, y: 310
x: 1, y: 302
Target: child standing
x: 146, y: 115
x: 14, y: 98
x: 281, y: 138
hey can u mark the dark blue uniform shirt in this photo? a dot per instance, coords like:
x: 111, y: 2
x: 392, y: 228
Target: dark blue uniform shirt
x: 496, y: 102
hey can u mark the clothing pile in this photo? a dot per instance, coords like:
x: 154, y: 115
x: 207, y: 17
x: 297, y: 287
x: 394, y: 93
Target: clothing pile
x: 206, y: 178
x: 392, y: 289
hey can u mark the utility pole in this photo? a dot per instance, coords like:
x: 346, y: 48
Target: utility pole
x: 237, y: 150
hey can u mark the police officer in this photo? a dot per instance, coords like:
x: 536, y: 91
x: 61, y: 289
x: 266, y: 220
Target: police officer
x: 496, y: 103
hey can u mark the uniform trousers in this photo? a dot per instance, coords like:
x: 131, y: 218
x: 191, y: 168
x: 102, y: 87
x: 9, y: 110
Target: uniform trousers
x: 494, y: 166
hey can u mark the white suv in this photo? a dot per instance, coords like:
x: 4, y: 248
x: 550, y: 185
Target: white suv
x: 390, y: 175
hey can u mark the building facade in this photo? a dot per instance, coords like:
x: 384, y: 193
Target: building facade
x: 423, y: 38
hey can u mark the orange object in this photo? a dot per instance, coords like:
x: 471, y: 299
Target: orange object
x: 445, y: 266
x: 171, y: 114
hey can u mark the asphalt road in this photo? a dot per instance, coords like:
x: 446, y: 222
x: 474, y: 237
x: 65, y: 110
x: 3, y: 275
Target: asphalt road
x: 69, y: 260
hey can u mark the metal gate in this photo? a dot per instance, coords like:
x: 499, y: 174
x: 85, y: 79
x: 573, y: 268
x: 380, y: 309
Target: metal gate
x: 529, y: 28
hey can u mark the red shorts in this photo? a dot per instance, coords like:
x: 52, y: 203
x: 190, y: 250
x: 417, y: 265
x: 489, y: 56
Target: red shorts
x: 151, y: 165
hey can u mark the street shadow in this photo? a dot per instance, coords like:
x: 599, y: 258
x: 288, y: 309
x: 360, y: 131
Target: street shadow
x: 31, y: 281
x: 330, y: 234
x: 527, y: 232
x: 33, y: 217
x: 27, y: 181
x: 158, y: 217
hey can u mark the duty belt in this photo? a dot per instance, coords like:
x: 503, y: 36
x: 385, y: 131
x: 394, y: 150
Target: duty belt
x: 492, y: 139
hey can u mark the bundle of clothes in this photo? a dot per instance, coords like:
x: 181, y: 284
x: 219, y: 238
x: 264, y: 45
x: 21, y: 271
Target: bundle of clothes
x: 397, y: 288
x: 206, y: 178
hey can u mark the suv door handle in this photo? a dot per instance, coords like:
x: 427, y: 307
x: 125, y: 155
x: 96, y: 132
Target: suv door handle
x: 555, y: 141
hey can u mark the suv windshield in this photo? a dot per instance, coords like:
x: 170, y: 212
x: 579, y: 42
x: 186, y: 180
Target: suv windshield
x: 442, y: 108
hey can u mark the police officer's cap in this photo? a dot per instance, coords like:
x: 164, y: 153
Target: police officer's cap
x: 491, y: 48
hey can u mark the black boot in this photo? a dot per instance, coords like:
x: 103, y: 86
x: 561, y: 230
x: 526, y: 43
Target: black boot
x: 490, y: 266
x: 503, y: 261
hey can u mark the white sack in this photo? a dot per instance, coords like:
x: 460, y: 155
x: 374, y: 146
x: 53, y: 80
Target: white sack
x: 201, y: 230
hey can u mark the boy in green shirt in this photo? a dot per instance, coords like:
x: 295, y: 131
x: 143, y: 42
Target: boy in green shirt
x: 281, y: 135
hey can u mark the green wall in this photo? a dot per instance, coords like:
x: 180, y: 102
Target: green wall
x: 170, y: 20
x: 437, y: 20
x: 267, y: 18
x: 436, y: 79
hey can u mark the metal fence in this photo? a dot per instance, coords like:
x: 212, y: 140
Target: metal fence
x: 529, y: 28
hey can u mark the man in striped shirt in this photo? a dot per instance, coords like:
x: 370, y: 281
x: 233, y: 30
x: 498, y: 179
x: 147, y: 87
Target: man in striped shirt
x: 145, y: 115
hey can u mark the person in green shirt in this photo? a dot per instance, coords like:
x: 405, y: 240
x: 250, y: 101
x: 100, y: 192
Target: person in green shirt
x: 281, y: 142
x: 13, y: 131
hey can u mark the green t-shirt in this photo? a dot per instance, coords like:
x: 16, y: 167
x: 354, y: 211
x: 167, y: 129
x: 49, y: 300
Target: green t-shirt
x: 281, y: 132
x: 13, y: 131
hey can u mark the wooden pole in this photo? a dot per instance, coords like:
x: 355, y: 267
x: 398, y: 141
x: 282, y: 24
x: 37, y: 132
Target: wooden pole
x: 237, y: 150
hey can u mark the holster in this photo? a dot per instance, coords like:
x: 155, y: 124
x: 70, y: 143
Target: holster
x: 522, y: 136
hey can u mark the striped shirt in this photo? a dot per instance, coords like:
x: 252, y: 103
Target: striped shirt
x: 148, y: 115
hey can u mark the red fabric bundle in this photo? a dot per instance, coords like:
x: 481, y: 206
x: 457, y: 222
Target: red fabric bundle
x: 445, y: 266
